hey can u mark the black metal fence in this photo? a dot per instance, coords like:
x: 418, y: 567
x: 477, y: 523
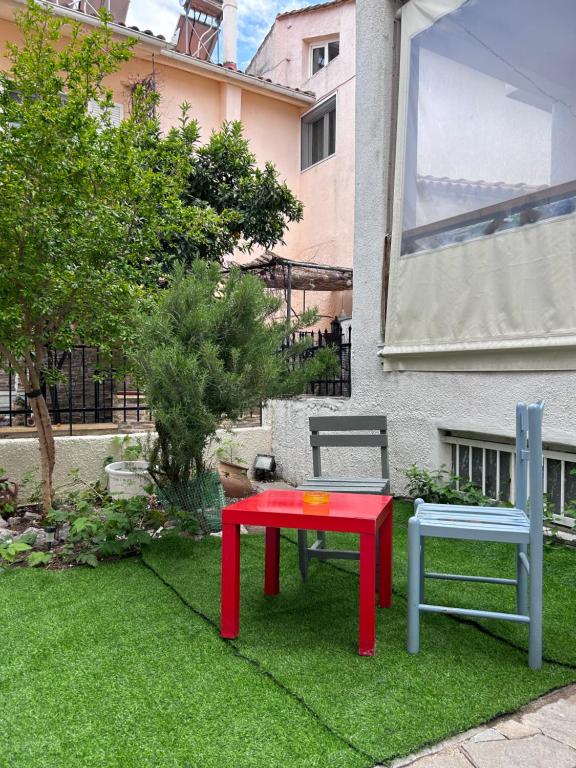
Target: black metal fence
x: 340, y: 340
x: 87, y: 390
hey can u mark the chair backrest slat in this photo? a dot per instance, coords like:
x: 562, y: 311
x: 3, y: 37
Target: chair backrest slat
x: 535, y: 414
x: 521, y: 495
x: 346, y: 423
x: 350, y: 425
x: 349, y: 441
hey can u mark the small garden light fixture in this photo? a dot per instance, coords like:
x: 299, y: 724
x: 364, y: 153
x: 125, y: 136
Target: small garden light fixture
x: 264, y: 467
x: 50, y: 533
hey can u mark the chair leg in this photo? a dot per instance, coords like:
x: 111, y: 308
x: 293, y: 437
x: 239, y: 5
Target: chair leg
x: 303, y: 553
x: 535, y: 639
x: 414, y: 543
x: 522, y: 578
x: 321, y: 537
x: 422, y: 571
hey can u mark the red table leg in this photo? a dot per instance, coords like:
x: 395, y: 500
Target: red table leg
x: 385, y: 557
x: 272, y: 559
x: 230, y: 618
x: 367, y: 594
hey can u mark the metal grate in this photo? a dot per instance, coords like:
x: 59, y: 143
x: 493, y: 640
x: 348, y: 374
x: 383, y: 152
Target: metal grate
x: 490, y: 466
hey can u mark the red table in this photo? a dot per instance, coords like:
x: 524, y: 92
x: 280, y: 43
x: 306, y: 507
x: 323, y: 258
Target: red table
x: 345, y: 512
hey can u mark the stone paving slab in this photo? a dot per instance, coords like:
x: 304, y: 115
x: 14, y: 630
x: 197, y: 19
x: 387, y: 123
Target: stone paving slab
x: 557, y: 720
x: 450, y: 757
x: 541, y: 735
x: 534, y: 752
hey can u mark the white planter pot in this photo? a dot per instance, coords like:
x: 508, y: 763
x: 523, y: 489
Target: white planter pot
x: 127, y: 479
x: 567, y: 522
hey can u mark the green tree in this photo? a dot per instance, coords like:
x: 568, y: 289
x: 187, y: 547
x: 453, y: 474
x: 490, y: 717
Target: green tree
x: 91, y: 215
x: 252, y: 205
x: 79, y: 205
x: 210, y: 351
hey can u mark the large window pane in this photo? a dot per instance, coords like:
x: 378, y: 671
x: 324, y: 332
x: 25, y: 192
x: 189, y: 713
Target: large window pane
x: 333, y: 50
x: 318, y: 140
x: 505, y: 476
x: 491, y: 141
x: 318, y: 58
x: 332, y: 132
x: 553, y: 485
x: 570, y: 486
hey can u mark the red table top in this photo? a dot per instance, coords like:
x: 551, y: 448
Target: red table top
x: 346, y: 512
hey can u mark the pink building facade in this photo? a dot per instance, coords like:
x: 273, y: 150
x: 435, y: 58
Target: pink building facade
x: 314, y: 49
x: 296, y: 106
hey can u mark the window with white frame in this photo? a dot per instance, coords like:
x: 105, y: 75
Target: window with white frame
x: 114, y: 114
x: 322, y: 54
x: 319, y: 133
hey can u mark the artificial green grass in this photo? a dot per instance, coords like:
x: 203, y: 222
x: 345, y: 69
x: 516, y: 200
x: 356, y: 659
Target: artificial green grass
x: 108, y: 668
x: 113, y: 667
x: 393, y: 703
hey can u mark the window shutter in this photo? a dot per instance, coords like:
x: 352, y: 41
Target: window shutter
x: 116, y: 112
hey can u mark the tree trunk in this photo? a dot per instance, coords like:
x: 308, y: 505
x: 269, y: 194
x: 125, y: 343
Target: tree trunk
x: 29, y: 369
x: 47, y: 449
x: 43, y: 425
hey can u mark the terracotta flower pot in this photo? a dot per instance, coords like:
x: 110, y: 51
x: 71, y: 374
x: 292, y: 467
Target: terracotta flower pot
x: 235, y: 480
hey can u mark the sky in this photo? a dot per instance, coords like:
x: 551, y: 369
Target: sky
x: 254, y: 19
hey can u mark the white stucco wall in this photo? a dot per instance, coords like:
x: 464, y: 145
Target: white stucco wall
x: 87, y: 454
x: 418, y: 405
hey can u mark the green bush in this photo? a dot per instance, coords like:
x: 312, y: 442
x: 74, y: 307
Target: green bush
x: 116, y: 527
x: 442, y: 487
x: 211, y: 350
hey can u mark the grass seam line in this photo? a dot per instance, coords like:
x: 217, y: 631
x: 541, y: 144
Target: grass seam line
x: 457, y: 619
x: 374, y: 762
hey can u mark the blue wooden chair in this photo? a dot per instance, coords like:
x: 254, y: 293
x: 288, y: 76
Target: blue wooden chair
x: 513, y: 526
x: 352, y: 434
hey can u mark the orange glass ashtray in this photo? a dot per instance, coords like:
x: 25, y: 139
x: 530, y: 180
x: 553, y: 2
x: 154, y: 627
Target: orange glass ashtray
x: 316, y: 498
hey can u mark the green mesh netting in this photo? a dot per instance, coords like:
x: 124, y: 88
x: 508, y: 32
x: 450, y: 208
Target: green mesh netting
x: 201, y: 498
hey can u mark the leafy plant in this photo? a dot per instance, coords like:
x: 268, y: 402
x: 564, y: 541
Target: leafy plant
x: 117, y: 527
x: 31, y: 486
x: 126, y: 448
x: 8, y: 495
x: 37, y: 558
x: 92, y: 215
x: 10, y: 551
x: 253, y: 205
x: 228, y: 450
x: 442, y: 487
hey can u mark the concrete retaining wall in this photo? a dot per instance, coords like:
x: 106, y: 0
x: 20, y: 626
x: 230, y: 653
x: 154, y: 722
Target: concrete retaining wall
x: 420, y: 408
x: 87, y: 454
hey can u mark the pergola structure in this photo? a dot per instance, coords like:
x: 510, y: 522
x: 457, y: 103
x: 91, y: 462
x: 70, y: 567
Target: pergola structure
x: 288, y: 275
